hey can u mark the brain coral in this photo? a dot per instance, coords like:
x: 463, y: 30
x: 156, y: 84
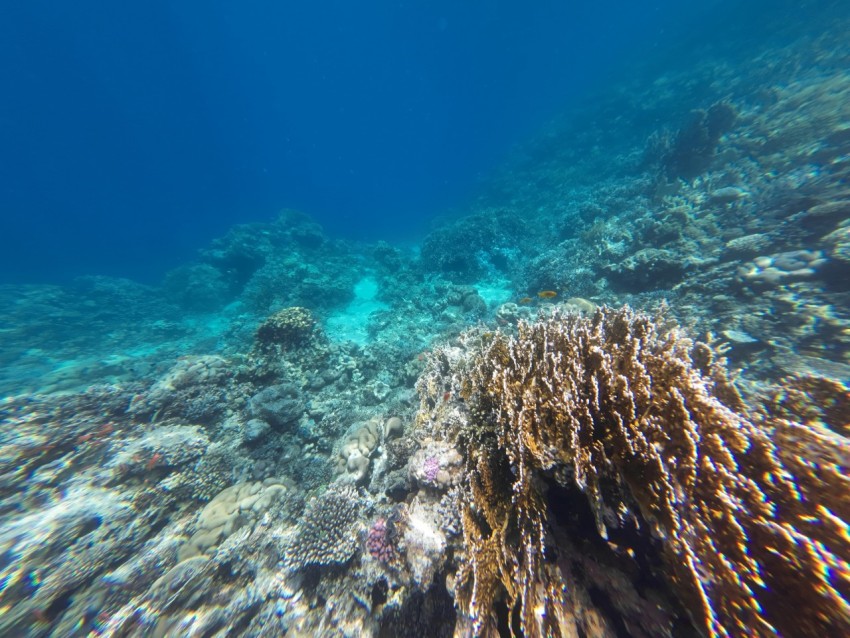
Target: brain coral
x: 750, y: 512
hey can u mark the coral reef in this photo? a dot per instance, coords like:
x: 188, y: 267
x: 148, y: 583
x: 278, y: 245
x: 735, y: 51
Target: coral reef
x: 564, y: 468
x: 473, y: 246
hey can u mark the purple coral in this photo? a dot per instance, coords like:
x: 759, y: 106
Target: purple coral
x: 378, y: 542
x: 430, y: 468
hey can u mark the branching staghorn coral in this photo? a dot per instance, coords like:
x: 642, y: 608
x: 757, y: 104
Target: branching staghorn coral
x: 749, y: 507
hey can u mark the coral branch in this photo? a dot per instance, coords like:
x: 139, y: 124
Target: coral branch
x: 751, y: 512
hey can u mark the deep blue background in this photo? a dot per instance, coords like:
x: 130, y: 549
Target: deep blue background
x: 132, y: 133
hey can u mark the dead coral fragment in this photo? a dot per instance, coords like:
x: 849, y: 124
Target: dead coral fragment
x: 752, y: 517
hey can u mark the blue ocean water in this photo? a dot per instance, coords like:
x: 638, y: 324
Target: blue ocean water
x: 132, y: 135
x: 425, y: 319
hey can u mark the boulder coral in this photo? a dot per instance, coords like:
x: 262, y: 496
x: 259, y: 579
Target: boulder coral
x: 748, y: 513
x: 233, y: 508
x: 353, y: 458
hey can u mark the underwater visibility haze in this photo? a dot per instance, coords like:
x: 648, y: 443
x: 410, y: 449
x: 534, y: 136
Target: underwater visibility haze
x: 425, y: 319
x: 134, y: 135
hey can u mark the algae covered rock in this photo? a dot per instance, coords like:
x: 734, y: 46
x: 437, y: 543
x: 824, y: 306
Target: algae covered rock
x: 694, y: 146
x: 647, y: 269
x: 280, y: 405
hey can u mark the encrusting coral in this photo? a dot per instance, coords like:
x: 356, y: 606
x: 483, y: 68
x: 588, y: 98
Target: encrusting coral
x: 750, y: 513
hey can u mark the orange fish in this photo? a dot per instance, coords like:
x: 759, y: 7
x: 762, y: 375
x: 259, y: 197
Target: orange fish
x: 547, y: 294
x: 526, y: 300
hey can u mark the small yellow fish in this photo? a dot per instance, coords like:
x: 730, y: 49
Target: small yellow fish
x: 526, y: 300
x: 547, y: 294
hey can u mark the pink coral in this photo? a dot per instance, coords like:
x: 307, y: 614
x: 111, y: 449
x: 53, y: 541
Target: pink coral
x: 431, y: 468
x: 378, y: 542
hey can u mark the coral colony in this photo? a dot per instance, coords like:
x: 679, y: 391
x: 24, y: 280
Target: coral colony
x: 610, y: 399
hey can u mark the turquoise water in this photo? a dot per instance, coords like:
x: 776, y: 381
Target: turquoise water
x: 420, y: 320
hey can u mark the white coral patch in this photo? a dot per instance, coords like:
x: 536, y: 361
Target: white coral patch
x: 426, y: 543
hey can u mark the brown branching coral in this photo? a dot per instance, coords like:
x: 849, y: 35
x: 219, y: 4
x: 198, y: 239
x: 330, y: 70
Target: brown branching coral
x: 814, y: 401
x: 287, y: 328
x: 750, y: 511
